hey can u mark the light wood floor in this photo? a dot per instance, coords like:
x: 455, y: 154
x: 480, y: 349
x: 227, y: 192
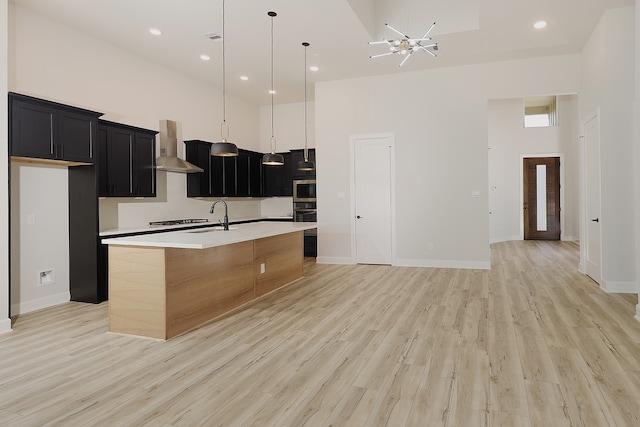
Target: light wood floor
x: 529, y: 343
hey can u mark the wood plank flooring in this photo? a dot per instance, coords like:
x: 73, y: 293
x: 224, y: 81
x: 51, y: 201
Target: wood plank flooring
x: 529, y: 343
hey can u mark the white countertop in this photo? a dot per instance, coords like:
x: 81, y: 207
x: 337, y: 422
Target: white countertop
x: 202, y: 238
x: 155, y: 228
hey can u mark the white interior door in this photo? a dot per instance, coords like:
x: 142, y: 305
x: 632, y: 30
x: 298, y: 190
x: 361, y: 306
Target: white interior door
x: 373, y: 200
x: 593, y: 240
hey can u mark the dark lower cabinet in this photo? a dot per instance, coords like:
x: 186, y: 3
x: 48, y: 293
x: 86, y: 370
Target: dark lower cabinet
x: 126, y: 162
x: 49, y: 130
x: 311, y: 244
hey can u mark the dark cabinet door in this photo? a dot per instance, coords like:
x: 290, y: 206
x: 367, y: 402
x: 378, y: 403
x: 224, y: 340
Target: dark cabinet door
x: 48, y: 130
x: 298, y: 156
x: 120, y: 162
x: 277, y: 180
x: 76, y: 136
x: 255, y: 175
x: 32, y: 130
x: 144, y: 165
x: 199, y: 184
x: 217, y: 176
x: 126, y: 161
x: 286, y: 188
x: 249, y: 174
x: 229, y: 174
x: 103, y: 183
x: 242, y: 175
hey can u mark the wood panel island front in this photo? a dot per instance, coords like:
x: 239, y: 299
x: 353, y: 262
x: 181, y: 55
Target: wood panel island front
x: 165, y: 284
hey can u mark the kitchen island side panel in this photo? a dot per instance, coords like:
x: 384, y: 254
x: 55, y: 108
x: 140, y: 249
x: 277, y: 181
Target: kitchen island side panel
x: 283, y: 260
x: 203, y: 284
x: 137, y: 300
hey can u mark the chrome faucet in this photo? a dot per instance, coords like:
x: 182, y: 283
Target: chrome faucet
x: 225, y: 223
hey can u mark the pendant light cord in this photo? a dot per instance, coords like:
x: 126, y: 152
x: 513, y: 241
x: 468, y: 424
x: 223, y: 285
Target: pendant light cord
x: 306, y: 150
x: 271, y: 141
x: 224, y: 126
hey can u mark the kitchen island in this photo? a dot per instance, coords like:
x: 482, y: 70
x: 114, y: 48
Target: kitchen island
x: 165, y: 284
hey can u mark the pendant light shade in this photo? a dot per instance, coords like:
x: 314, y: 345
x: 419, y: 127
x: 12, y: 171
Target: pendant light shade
x: 224, y: 148
x: 306, y: 164
x: 272, y: 158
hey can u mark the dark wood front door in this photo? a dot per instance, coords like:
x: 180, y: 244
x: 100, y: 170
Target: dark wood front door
x: 541, y: 198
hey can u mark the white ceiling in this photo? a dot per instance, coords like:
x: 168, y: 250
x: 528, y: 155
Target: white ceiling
x: 467, y: 31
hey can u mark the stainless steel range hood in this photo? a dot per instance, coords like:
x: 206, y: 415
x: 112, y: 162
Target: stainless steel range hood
x: 168, y: 159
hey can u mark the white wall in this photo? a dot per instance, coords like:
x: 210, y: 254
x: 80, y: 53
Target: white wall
x: 37, y: 215
x: 5, y: 322
x: 508, y: 141
x: 439, y: 119
x: 288, y: 126
x: 608, y: 61
x: 57, y: 63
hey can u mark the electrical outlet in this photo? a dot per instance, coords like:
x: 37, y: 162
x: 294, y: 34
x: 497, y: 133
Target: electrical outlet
x: 31, y: 219
x: 263, y: 268
x: 430, y: 246
x: 46, y: 277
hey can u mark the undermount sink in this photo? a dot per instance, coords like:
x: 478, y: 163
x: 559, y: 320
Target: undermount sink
x: 211, y: 229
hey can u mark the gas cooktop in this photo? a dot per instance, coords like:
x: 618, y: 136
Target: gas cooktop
x: 178, y: 221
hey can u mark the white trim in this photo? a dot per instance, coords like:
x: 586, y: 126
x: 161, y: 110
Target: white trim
x: 5, y: 326
x: 504, y: 239
x: 638, y: 312
x: 440, y: 263
x: 40, y: 303
x: 335, y: 260
x: 352, y: 178
x: 613, y: 287
x: 539, y: 155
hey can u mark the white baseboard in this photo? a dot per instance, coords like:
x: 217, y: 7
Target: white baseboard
x: 5, y: 326
x: 335, y: 260
x: 438, y: 263
x: 504, y: 239
x: 39, y: 303
x: 613, y: 287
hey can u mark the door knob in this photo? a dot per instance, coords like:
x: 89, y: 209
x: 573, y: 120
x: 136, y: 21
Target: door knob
x: 596, y: 220
x: 358, y: 216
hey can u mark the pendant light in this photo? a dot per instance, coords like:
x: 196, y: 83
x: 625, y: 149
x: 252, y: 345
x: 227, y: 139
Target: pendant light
x: 224, y: 148
x: 306, y: 164
x: 272, y: 158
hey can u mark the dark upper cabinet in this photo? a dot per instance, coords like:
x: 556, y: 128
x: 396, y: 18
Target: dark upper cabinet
x: 199, y: 183
x: 248, y: 174
x: 298, y: 156
x: 49, y: 130
x: 277, y: 180
x: 126, y: 164
x: 223, y: 176
x: 255, y: 174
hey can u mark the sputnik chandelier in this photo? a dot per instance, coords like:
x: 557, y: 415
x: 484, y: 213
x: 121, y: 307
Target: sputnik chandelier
x: 405, y: 45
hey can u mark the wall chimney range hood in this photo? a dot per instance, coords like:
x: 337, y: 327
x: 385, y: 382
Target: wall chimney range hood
x: 168, y: 159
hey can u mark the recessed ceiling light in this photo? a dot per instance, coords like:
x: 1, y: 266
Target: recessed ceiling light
x: 540, y: 25
x: 245, y: 78
x: 205, y: 57
x: 314, y: 68
x: 155, y: 31
x: 272, y: 92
